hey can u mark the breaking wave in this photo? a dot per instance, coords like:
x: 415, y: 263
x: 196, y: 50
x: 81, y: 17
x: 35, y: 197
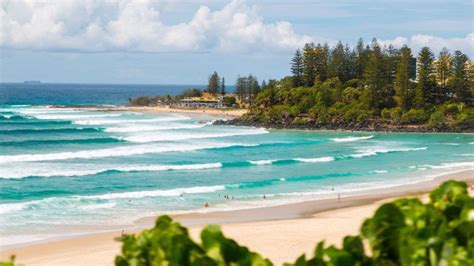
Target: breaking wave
x: 351, y: 139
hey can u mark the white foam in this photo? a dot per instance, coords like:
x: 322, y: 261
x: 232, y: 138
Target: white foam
x: 113, y: 152
x: 351, y: 139
x: 315, y: 160
x: 61, y: 202
x: 48, y: 170
x: 127, y: 121
x: 262, y: 162
x: 446, y: 165
x: 155, y: 193
x: 99, y: 206
x: 178, y: 136
x: 73, y: 117
x: 379, y: 171
x: 34, y: 111
x: 374, y: 151
x: 12, y: 207
x: 142, y: 128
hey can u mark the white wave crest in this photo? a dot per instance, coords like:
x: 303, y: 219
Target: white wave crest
x: 379, y: 171
x: 73, y: 117
x: 109, y: 205
x: 50, y: 170
x: 174, y: 136
x: 90, y: 201
x: 445, y: 165
x: 12, y: 207
x: 113, y: 152
x: 262, y: 162
x: 127, y: 121
x: 351, y: 138
x: 142, y: 128
x: 374, y: 151
x: 155, y: 193
x: 315, y: 160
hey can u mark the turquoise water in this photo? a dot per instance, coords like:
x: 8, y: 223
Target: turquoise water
x: 70, y: 171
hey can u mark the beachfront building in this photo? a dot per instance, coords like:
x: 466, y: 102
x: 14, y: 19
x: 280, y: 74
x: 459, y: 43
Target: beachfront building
x: 443, y: 80
x: 200, y: 102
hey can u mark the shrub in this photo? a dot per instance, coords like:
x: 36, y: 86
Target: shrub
x: 414, y: 116
x: 452, y: 108
x: 278, y: 113
x: 169, y: 243
x: 229, y: 101
x: 386, y: 113
x: 190, y: 93
x: 437, y: 120
x: 464, y: 120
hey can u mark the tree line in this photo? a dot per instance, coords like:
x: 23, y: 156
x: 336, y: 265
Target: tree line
x: 387, y: 72
x: 368, y: 84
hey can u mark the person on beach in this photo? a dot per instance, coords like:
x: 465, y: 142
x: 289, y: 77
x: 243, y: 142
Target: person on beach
x: 206, y: 205
x: 338, y: 196
x: 264, y: 197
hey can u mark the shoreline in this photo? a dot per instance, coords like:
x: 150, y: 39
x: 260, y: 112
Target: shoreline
x: 223, y: 113
x: 232, y: 117
x: 378, y: 126
x: 240, y: 224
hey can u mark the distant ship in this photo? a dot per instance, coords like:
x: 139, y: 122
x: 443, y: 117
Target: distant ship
x: 31, y: 82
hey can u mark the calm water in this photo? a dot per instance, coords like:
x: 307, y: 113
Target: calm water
x: 68, y: 94
x: 69, y: 171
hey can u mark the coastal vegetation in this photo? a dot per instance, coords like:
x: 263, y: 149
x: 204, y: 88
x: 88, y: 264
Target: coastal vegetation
x: 402, y: 232
x: 215, y: 91
x: 367, y: 87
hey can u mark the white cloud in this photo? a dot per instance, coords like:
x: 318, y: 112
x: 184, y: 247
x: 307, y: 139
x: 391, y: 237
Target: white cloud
x: 416, y: 42
x: 135, y: 25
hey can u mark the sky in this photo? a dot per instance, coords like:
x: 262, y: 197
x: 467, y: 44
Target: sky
x: 183, y: 41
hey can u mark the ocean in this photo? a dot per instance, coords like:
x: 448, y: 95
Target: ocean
x: 69, y: 171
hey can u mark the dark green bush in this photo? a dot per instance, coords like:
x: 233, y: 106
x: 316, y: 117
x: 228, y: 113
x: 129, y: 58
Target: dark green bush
x: 464, y: 120
x: 229, y: 101
x: 169, y: 243
x: 414, y: 116
x: 437, y: 120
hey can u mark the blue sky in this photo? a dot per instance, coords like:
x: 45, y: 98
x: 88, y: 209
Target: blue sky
x: 182, y: 42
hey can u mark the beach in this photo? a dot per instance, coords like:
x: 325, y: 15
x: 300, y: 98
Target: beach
x: 221, y: 113
x: 281, y: 233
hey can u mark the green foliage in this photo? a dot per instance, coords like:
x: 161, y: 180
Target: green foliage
x: 353, y: 89
x: 437, y: 120
x: 143, y: 101
x: 168, y: 243
x: 229, y: 101
x: 190, y: 93
x: 214, y: 85
x: 8, y: 263
x: 414, y: 116
x: 465, y: 119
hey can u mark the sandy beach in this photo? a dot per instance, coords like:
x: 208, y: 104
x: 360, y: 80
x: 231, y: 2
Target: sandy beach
x: 281, y: 233
x: 167, y: 109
